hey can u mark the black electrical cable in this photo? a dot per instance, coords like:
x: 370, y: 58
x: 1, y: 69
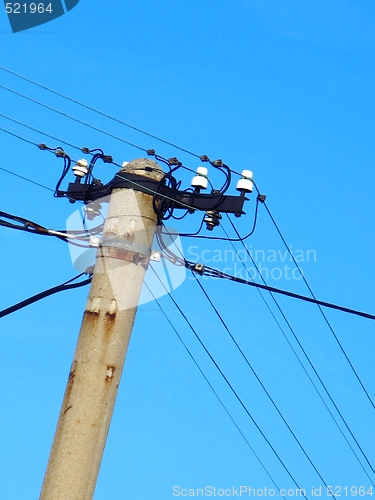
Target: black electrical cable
x: 193, y: 234
x: 202, y: 158
x: 99, y: 112
x: 183, y: 261
x: 217, y: 164
x: 18, y: 136
x: 22, y: 224
x: 67, y: 158
x: 228, y: 383
x: 210, y: 385
x: 321, y: 304
x: 191, y: 153
x: 60, y: 288
x: 116, y: 174
x: 219, y: 274
x: 26, y: 179
x: 73, y: 118
x: 33, y: 144
x: 84, y: 150
x: 255, y: 374
x: 40, y: 132
x: 240, y: 238
x: 258, y: 378
x: 151, y: 191
x: 308, y: 359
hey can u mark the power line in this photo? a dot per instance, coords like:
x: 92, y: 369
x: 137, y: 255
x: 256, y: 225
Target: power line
x: 258, y: 378
x: 219, y: 274
x: 201, y: 157
x: 228, y: 383
x: 251, y: 367
x: 151, y: 191
x: 284, y: 292
x: 72, y: 118
x: 40, y: 131
x: 22, y: 224
x: 100, y: 112
x: 247, y: 361
x: 18, y: 136
x: 60, y: 288
x: 308, y: 359
x: 27, y: 179
x: 149, y: 152
x: 210, y: 385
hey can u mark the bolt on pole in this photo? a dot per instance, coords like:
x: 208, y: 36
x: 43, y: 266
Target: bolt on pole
x: 94, y: 377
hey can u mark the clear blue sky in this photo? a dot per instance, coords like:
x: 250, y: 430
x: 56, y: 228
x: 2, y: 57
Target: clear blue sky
x: 284, y: 88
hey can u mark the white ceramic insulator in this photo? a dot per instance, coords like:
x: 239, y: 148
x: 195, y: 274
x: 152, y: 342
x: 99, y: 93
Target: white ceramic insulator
x: 202, y: 171
x: 199, y: 181
x: 247, y: 174
x: 124, y: 163
x: 80, y: 169
x: 245, y: 185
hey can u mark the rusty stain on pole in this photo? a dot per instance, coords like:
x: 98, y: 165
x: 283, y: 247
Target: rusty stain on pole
x: 95, y: 373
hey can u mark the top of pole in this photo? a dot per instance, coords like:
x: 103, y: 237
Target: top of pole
x: 145, y: 167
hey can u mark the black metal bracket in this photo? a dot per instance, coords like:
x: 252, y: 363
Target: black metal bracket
x: 182, y: 199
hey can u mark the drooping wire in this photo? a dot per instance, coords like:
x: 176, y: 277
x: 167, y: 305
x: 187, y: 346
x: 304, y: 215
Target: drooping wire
x: 118, y: 174
x: 228, y: 382
x: 320, y: 309
x: 306, y: 356
x: 210, y: 385
x: 68, y: 285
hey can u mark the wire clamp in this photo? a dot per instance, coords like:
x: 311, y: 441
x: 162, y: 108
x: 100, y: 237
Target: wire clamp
x: 261, y: 198
x: 155, y: 256
x: 199, y: 268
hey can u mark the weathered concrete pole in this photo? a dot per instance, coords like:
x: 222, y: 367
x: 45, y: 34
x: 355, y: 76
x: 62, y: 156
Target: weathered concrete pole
x: 95, y: 373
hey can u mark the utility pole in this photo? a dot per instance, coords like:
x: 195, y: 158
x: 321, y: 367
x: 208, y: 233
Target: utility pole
x: 95, y: 373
